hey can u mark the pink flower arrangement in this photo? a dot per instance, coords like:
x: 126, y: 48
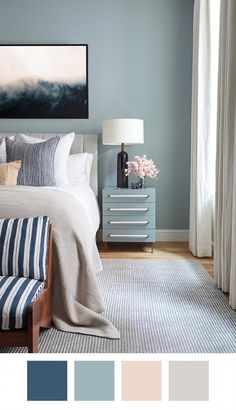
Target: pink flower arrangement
x: 142, y: 167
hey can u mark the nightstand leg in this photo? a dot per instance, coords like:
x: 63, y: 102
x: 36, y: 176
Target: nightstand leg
x: 106, y: 246
x: 151, y: 247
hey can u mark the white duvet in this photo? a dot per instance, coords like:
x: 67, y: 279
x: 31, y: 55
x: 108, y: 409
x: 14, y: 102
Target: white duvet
x: 86, y: 197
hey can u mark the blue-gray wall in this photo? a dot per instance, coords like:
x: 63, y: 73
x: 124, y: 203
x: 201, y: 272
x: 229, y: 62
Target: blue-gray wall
x: 140, y: 55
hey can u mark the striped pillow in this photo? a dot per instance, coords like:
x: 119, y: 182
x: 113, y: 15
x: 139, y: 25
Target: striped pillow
x: 23, y: 247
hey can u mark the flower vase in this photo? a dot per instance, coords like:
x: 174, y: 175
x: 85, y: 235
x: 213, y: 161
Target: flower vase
x: 142, y: 182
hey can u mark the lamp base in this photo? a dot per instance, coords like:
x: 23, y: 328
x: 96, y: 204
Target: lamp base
x: 122, y: 158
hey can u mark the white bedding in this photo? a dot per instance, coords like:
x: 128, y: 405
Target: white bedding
x: 86, y: 197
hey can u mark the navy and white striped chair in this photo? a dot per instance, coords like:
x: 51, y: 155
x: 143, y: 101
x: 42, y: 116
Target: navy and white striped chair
x: 25, y: 280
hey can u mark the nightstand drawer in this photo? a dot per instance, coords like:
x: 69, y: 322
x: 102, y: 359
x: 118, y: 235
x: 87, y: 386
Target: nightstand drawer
x: 128, y: 235
x: 129, y: 222
x: 129, y: 195
x: 126, y: 208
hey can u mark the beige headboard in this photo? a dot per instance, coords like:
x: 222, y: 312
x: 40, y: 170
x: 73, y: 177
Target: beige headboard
x: 82, y: 143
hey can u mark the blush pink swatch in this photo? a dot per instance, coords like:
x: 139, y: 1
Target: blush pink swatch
x: 141, y: 381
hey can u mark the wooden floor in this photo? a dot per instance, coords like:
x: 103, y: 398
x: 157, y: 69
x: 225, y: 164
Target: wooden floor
x: 161, y: 250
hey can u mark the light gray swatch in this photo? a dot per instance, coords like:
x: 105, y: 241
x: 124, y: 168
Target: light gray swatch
x: 37, y: 161
x: 189, y: 381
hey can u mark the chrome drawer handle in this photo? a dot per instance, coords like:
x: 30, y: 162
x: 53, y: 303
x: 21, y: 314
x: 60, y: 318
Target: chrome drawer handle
x: 129, y: 209
x: 129, y: 196
x: 127, y: 236
x: 128, y: 222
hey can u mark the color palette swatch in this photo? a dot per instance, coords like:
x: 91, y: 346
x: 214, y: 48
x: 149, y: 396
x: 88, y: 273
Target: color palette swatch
x: 47, y: 380
x: 188, y: 381
x: 139, y: 380
x: 94, y: 381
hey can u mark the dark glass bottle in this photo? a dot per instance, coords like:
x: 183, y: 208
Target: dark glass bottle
x: 122, y: 158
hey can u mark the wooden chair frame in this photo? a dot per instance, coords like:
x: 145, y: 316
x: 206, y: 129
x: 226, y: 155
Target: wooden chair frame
x: 39, y: 313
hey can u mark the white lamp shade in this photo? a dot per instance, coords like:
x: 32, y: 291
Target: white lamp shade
x: 118, y: 131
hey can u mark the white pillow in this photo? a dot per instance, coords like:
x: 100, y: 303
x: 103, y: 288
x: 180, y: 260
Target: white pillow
x: 3, y: 153
x: 79, y: 168
x: 61, y: 155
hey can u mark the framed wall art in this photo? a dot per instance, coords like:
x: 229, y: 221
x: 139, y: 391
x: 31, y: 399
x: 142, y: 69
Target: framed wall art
x: 44, y: 81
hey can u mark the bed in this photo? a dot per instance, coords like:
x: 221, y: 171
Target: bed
x: 74, y: 214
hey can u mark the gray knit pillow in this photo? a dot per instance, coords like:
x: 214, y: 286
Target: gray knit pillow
x: 37, y: 161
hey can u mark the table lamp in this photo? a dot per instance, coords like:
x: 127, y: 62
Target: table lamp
x: 120, y: 132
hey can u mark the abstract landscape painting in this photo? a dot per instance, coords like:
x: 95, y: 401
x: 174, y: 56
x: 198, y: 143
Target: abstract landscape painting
x: 43, y: 81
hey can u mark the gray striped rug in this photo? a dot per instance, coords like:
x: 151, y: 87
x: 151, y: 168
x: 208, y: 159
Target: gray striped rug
x: 160, y: 306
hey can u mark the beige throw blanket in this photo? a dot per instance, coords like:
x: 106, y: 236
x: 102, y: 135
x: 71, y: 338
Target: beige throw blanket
x: 77, y: 301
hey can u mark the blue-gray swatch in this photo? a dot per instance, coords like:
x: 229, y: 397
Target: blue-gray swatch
x: 94, y: 381
x: 46, y: 380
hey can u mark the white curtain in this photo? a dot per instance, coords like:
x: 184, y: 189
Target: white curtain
x: 225, y: 228
x: 203, y: 130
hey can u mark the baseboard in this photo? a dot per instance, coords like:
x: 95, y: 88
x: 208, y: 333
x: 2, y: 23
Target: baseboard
x: 164, y: 235
x: 172, y: 235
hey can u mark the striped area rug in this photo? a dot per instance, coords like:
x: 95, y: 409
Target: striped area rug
x: 161, y: 306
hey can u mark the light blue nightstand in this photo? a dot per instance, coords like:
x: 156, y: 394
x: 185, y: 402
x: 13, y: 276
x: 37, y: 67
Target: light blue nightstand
x: 129, y: 215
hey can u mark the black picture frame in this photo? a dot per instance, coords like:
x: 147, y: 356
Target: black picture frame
x: 77, y: 107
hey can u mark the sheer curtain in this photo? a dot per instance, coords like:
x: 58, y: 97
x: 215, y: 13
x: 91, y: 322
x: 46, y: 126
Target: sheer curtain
x: 225, y: 228
x: 203, y: 131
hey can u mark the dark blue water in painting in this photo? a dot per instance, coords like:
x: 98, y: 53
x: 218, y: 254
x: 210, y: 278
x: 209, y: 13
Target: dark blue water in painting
x: 44, y: 99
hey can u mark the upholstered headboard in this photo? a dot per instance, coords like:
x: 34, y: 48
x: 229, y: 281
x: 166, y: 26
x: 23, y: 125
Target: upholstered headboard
x: 82, y: 143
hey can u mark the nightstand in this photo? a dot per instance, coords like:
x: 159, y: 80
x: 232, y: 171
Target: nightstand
x: 129, y: 215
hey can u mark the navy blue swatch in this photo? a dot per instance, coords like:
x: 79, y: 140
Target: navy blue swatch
x: 46, y: 380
